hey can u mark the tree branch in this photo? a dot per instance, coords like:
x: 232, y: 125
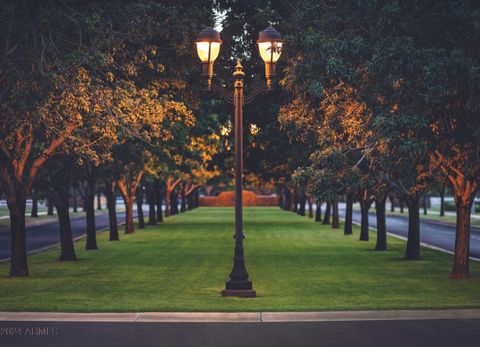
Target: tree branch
x: 39, y: 161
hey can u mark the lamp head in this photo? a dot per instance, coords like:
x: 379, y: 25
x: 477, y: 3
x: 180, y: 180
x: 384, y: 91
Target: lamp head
x: 270, y: 47
x: 208, y: 47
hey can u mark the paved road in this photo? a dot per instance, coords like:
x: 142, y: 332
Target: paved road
x: 424, y: 333
x: 435, y: 234
x: 47, y: 234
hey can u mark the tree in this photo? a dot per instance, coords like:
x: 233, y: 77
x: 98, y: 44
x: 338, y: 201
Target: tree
x: 56, y: 179
x: 30, y: 138
x: 373, y: 49
x: 48, y: 102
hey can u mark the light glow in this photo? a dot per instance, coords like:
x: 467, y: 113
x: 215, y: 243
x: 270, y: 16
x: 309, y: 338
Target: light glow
x: 203, y: 49
x: 265, y: 49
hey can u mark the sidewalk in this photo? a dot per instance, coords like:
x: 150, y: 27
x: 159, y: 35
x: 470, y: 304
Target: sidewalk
x: 26, y: 215
x: 241, y: 317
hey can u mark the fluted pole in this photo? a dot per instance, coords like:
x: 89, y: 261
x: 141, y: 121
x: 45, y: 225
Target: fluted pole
x: 239, y: 284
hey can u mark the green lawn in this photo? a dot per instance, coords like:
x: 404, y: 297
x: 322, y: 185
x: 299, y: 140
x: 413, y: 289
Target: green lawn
x: 181, y: 265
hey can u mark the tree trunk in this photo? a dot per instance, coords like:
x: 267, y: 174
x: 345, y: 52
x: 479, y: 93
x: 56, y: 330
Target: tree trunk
x: 74, y: 198
x: 159, y: 199
x: 49, y: 207
x: 59, y: 195
x: 295, y: 201
x: 171, y: 207
x: 151, y: 197
x: 326, y: 216
x: 112, y: 212
x: 310, y: 207
x: 318, y: 212
x: 347, y: 230
x: 281, y: 197
x: 183, y: 201
x: 190, y: 203
x: 462, y: 241
x: 128, y: 184
x: 90, y: 209
x: 90, y: 218
x: 197, y: 198
x: 303, y: 201
x: 364, y: 225
x: 141, y: 219
x: 159, y: 207
x: 129, y: 227
x: 174, y: 202
x: 413, y: 240
x: 168, y: 195
x: 401, y: 205
x: 287, y: 203
x: 392, y: 202
x: 335, y: 216
x: 34, y: 212
x: 442, y: 201
x: 381, y: 244
x: 424, y: 204
x: 99, y: 201
x: 18, y: 262
x: 66, y: 239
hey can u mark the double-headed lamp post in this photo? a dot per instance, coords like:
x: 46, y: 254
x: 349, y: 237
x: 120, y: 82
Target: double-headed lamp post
x: 208, y: 47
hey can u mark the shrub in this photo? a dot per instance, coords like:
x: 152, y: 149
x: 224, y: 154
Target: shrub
x: 450, y: 206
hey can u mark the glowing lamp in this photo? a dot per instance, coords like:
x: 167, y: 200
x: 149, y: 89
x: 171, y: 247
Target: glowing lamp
x: 208, y: 47
x: 270, y: 48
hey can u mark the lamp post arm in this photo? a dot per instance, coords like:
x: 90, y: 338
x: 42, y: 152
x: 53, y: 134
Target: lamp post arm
x: 261, y: 89
x: 223, y: 92
x: 228, y: 96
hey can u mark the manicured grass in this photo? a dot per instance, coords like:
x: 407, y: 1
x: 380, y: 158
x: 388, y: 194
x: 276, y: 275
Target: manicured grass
x: 181, y: 265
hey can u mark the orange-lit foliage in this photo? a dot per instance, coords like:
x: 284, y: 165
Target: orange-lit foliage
x: 227, y: 199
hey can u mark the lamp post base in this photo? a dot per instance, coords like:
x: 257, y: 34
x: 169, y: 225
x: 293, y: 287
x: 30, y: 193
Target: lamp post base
x: 242, y: 293
x: 243, y: 289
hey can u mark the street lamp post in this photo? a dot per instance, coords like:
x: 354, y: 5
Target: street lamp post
x: 208, y: 47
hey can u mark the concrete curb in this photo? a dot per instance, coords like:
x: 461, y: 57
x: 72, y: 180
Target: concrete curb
x: 240, y: 317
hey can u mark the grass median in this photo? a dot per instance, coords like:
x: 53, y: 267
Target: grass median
x: 183, y: 263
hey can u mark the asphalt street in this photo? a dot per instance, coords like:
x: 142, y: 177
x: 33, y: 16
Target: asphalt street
x: 48, y: 234
x: 432, y: 233
x: 424, y: 333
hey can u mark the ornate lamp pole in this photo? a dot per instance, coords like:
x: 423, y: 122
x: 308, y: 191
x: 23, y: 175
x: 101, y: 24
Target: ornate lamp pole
x: 208, y: 48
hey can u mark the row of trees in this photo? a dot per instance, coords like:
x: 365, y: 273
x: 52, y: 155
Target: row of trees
x: 383, y: 97
x: 95, y: 93
x: 377, y: 99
